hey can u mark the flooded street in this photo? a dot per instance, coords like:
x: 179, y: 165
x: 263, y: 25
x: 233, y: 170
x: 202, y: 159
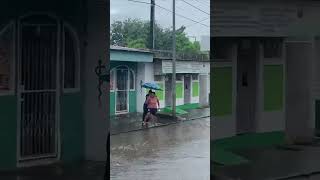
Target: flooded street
x: 175, y: 152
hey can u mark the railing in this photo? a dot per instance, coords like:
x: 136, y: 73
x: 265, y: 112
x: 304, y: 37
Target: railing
x: 164, y: 54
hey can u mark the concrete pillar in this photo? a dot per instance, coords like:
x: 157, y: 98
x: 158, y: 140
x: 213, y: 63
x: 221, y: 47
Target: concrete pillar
x: 299, y: 56
x: 203, y: 82
x: 95, y: 117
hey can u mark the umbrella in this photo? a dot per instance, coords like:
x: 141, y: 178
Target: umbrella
x: 151, y: 85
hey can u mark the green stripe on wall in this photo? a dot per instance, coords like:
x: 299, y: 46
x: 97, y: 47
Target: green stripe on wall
x: 179, y: 90
x: 273, y: 87
x: 160, y: 94
x: 221, y: 82
x: 112, y: 103
x: 317, y: 111
x: 195, y: 89
x: 132, y: 101
x: 8, y: 132
x: 72, y: 128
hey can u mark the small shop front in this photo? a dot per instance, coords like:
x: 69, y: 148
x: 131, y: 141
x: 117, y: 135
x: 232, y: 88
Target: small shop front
x: 188, y: 82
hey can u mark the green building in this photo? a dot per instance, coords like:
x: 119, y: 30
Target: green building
x: 264, y: 74
x: 49, y: 110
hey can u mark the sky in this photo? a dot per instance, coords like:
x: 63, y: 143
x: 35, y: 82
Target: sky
x: 124, y: 9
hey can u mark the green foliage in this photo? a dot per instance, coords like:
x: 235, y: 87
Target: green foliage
x: 135, y: 33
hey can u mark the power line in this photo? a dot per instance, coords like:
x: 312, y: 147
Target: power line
x: 202, y: 2
x: 197, y: 22
x: 195, y: 7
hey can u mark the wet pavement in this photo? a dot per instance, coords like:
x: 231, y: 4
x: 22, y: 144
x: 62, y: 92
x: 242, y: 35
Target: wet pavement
x: 274, y: 163
x: 133, y: 121
x: 177, y: 152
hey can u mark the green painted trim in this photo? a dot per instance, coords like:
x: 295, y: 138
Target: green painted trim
x: 130, y: 56
x: 132, y: 101
x: 179, y: 90
x: 317, y: 116
x: 72, y: 128
x: 8, y: 132
x: 273, y: 87
x: 221, y: 97
x: 160, y: 94
x: 195, y: 89
x: 112, y: 103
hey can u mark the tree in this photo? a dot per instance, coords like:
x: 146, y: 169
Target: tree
x: 134, y: 33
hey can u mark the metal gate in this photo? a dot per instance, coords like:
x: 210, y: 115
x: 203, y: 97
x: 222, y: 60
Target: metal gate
x: 122, y: 90
x: 38, y: 91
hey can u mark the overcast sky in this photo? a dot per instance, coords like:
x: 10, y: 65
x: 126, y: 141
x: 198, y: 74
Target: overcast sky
x: 123, y: 9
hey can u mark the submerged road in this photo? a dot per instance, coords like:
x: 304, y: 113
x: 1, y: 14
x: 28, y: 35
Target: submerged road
x: 176, y: 152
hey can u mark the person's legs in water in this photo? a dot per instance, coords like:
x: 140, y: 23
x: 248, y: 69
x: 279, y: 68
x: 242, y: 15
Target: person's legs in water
x: 145, y: 111
x: 153, y: 113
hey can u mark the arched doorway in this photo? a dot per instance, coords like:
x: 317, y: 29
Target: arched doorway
x: 47, y: 66
x: 123, y: 80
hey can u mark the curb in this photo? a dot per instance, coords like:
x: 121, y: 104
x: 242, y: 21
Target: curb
x: 162, y: 125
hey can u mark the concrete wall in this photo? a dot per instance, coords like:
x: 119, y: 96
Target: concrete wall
x: 298, y: 94
x: 96, y: 118
x: 145, y: 73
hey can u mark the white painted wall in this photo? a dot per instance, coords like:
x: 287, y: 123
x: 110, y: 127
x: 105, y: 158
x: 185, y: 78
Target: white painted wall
x: 95, y: 117
x: 140, y: 78
x: 180, y: 101
x: 145, y: 73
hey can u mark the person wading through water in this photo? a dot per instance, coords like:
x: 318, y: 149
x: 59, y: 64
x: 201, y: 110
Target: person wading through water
x: 145, y: 106
x: 153, y: 104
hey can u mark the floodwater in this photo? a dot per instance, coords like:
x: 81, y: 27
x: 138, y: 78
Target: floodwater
x: 176, y: 152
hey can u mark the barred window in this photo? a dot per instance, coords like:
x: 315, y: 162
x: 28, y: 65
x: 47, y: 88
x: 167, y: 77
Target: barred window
x: 131, y: 80
x: 71, y: 60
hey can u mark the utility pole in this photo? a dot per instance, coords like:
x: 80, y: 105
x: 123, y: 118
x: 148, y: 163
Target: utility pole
x: 174, y: 59
x: 152, y: 22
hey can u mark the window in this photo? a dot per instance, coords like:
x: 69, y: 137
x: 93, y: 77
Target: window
x: 6, y: 59
x: 112, y: 76
x: 272, y: 48
x: 71, y: 58
x: 195, y: 77
x: 131, y: 80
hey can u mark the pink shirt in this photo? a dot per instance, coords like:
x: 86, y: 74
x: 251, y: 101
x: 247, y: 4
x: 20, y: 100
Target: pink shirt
x: 153, y: 102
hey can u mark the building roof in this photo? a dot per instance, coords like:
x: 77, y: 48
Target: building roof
x: 120, y: 48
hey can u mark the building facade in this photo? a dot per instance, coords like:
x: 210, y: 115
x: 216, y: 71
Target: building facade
x: 48, y: 106
x: 265, y: 68
x: 130, y: 68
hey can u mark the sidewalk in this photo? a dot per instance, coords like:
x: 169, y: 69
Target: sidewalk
x: 133, y: 121
x: 287, y: 162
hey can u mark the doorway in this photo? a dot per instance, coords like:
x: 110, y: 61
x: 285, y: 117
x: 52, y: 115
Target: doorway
x: 246, y: 85
x: 187, y: 89
x: 38, y: 88
x: 122, y: 91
